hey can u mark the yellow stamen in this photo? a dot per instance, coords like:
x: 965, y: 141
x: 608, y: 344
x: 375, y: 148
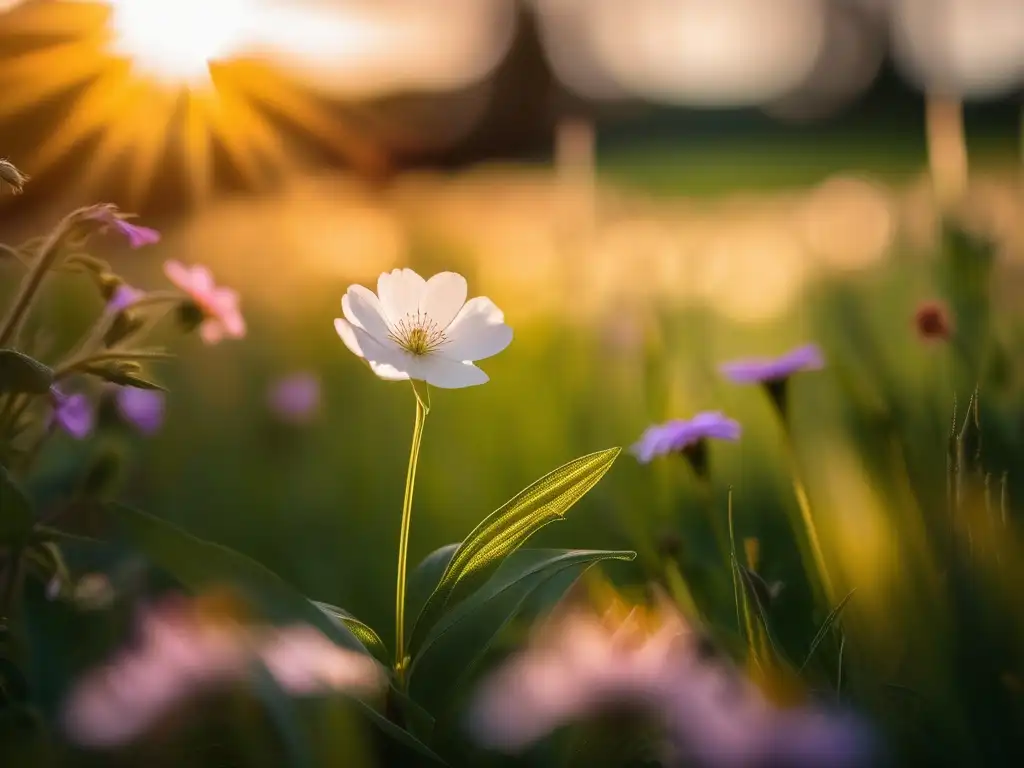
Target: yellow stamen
x: 417, y: 334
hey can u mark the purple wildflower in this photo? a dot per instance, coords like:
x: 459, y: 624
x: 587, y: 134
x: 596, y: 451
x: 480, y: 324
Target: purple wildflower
x: 678, y: 435
x: 124, y: 296
x: 137, y: 236
x: 759, y: 370
x: 73, y: 414
x: 144, y: 408
x: 295, y: 398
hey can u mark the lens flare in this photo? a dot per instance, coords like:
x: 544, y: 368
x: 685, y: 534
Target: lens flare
x: 174, y: 40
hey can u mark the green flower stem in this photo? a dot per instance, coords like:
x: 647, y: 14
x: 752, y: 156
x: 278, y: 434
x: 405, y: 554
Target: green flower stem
x: 680, y: 591
x: 94, y: 339
x: 422, y: 409
x: 48, y: 253
x: 12, y: 411
x: 807, y: 518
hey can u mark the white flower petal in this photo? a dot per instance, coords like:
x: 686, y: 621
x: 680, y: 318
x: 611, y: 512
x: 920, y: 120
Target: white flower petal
x: 347, y: 332
x: 477, y: 332
x: 389, y: 372
x: 448, y: 374
x: 400, y: 291
x: 363, y: 310
x: 443, y: 297
x: 387, y: 361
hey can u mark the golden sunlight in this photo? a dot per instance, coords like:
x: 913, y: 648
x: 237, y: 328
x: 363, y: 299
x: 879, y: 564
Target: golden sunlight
x: 174, y: 40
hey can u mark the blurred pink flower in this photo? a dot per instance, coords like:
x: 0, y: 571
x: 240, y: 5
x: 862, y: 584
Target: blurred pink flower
x: 137, y: 236
x: 581, y: 663
x: 182, y: 654
x: 219, y: 306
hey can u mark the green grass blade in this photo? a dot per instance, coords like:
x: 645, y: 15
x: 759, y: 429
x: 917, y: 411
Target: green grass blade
x: 825, y: 626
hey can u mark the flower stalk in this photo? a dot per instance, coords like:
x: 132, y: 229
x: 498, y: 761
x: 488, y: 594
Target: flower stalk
x: 33, y: 280
x: 807, y: 518
x: 422, y: 394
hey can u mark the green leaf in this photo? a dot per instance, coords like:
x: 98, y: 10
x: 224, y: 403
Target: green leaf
x: 281, y: 710
x: 462, y: 636
x: 22, y: 374
x: 754, y: 596
x: 16, y: 515
x: 831, y: 619
x: 413, y: 717
x: 363, y: 632
x: 123, y: 378
x: 198, y: 564
x: 425, y: 578
x: 404, y: 738
x: 505, y: 530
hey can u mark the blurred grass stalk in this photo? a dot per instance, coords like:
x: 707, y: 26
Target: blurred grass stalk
x: 947, y: 148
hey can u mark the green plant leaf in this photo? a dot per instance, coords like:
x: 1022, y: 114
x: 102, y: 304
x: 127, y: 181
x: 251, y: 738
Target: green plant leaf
x: 831, y: 619
x: 505, y: 530
x: 16, y: 515
x: 23, y: 374
x: 463, y: 635
x: 751, y: 586
x: 404, y: 738
x: 413, y: 717
x: 363, y: 632
x: 425, y: 578
x: 198, y: 564
x: 282, y: 713
x: 123, y: 378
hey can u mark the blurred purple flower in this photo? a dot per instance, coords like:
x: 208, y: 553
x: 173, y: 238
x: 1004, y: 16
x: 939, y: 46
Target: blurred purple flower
x: 677, y: 435
x: 757, y: 370
x: 143, y: 408
x: 72, y: 413
x: 183, y: 652
x: 137, y: 236
x: 295, y: 398
x: 581, y: 663
x: 123, y: 297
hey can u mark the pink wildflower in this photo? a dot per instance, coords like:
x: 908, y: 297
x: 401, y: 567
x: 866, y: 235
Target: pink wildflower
x: 219, y: 306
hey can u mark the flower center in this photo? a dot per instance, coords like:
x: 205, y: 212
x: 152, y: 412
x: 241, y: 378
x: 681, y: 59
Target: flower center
x: 417, y: 334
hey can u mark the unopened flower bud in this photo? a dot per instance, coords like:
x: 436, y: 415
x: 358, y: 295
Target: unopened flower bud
x: 12, y: 177
x: 932, y: 321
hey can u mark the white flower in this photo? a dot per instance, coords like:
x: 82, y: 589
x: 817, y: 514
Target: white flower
x: 422, y: 329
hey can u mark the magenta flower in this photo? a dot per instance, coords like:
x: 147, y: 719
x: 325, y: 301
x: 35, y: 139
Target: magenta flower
x: 181, y: 654
x: 680, y: 434
x: 295, y: 398
x: 137, y: 236
x: 123, y: 297
x: 72, y: 413
x: 221, y: 316
x: 761, y: 370
x: 143, y: 408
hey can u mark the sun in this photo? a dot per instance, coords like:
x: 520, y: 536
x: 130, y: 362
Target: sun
x: 173, y: 41
x: 148, y: 87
